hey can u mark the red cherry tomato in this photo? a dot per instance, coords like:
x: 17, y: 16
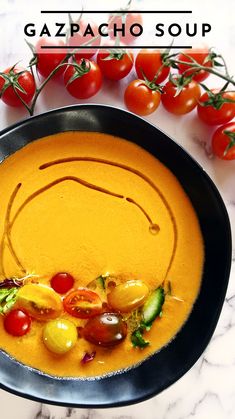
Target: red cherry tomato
x: 223, y: 142
x: 17, y: 322
x: 130, y: 19
x: 82, y: 303
x: 199, y: 55
x: 79, y: 39
x: 212, y: 116
x: 149, y: 62
x: 25, y: 80
x: 87, y: 84
x: 140, y: 99
x: 183, y: 102
x: 116, y: 68
x: 62, y: 282
x: 48, y: 60
x: 106, y: 329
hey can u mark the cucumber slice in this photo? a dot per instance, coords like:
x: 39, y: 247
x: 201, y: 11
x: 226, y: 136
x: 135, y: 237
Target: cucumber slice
x: 101, y: 281
x: 98, y: 282
x: 153, y: 306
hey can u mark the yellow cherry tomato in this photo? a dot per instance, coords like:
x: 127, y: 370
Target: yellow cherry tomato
x: 128, y: 296
x: 60, y: 336
x: 40, y: 301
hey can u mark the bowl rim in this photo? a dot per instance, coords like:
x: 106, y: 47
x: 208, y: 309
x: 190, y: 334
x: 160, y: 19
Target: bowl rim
x: 220, y: 202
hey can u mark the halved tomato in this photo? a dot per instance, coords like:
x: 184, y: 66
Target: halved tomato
x: 128, y: 296
x: 40, y: 301
x: 82, y: 303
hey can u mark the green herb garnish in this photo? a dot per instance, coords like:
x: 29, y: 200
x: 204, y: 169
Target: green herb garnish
x: 7, y: 299
x: 151, y: 309
x: 138, y: 340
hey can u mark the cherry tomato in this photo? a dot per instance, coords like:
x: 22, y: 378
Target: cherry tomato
x: 140, y: 99
x: 130, y: 19
x: 117, y: 67
x: 25, y: 80
x: 62, y: 282
x: 82, y: 303
x: 17, y: 322
x: 199, y: 55
x: 212, y: 116
x: 40, y: 301
x: 106, y: 329
x: 223, y: 142
x: 79, y: 39
x: 48, y: 60
x: 149, y: 62
x: 128, y: 296
x: 59, y: 336
x: 183, y: 102
x: 88, y: 83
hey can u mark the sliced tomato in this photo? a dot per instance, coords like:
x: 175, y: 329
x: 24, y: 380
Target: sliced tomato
x: 82, y: 303
x: 128, y: 296
x: 41, y: 302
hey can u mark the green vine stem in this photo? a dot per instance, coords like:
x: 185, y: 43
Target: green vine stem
x: 194, y: 65
x: 31, y: 108
x: 41, y: 87
x: 63, y: 63
x: 171, y: 61
x: 208, y: 70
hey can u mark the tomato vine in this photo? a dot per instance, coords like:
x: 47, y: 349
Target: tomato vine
x: 188, y: 66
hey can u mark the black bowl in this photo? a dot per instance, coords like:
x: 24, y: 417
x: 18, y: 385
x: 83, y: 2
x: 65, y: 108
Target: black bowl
x: 161, y: 370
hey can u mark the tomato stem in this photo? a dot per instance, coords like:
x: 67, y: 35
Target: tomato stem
x: 22, y: 101
x: 231, y: 143
x: 41, y: 87
x: 169, y: 60
x: 195, y: 65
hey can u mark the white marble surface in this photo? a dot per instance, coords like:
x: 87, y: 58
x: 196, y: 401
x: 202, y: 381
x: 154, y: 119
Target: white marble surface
x: 208, y: 389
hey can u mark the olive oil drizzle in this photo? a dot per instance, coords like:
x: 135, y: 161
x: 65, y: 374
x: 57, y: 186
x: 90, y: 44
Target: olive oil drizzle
x: 10, y: 224
x: 153, y: 227
x: 6, y: 238
x: 81, y: 182
x: 132, y: 201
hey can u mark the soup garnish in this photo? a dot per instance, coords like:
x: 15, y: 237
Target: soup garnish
x: 38, y: 302
x: 107, y: 233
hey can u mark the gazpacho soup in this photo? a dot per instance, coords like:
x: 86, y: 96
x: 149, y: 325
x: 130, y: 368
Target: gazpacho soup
x: 101, y: 255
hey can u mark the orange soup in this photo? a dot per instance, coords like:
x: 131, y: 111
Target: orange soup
x: 115, y: 229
